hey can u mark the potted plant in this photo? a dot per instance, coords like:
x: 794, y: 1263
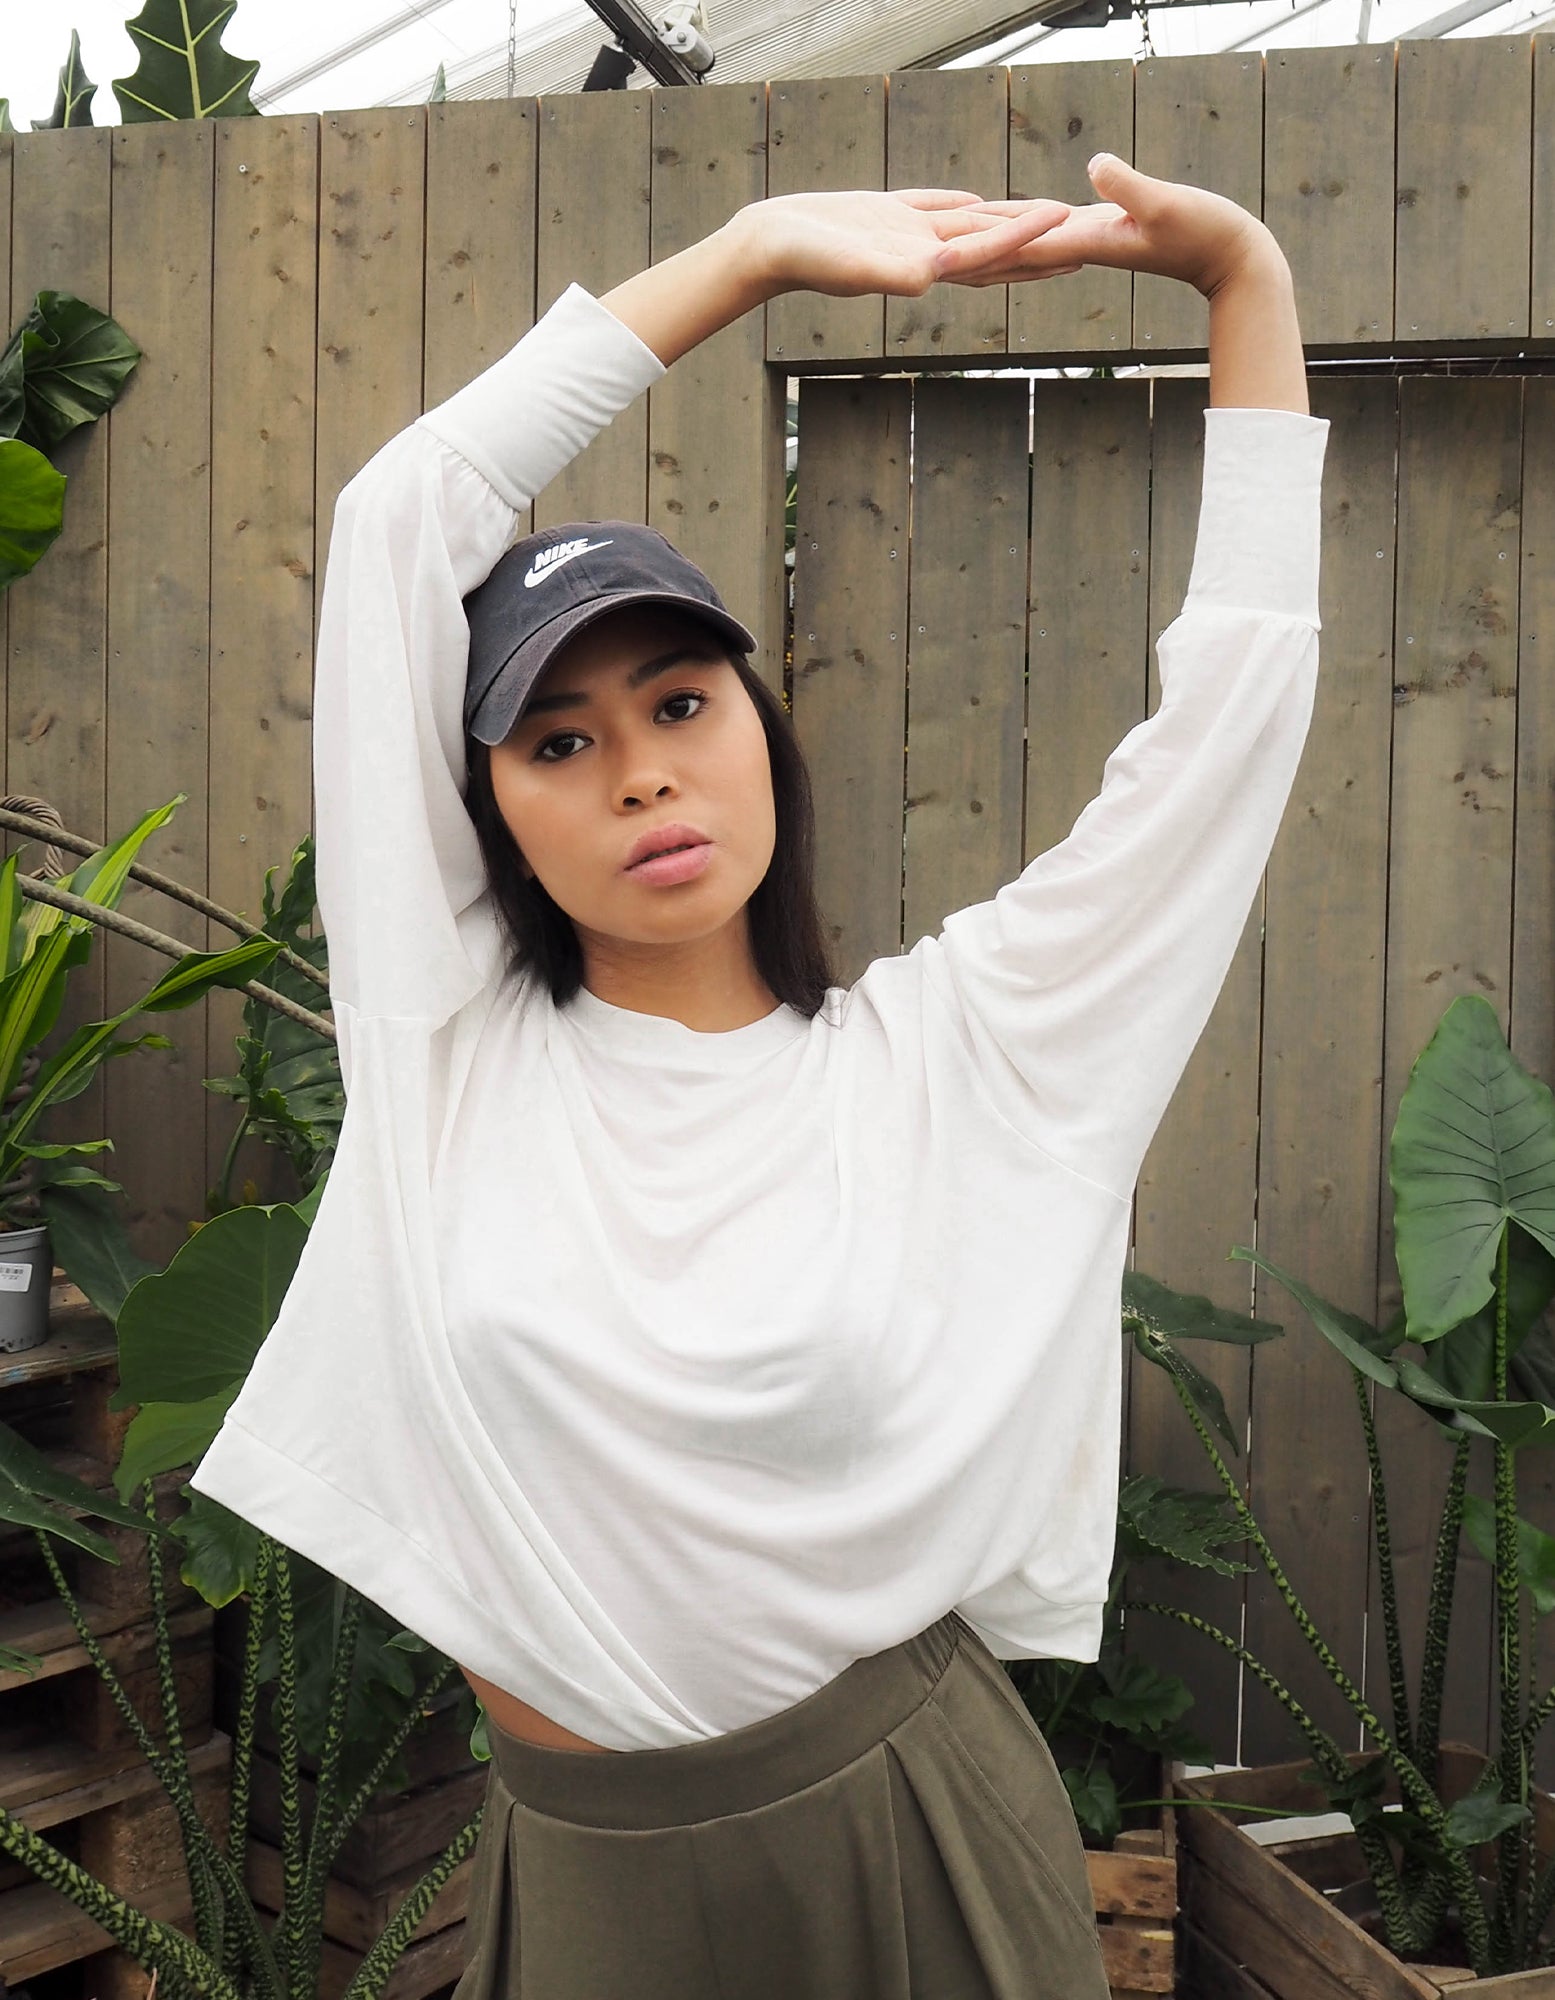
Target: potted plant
x: 1448, y: 1873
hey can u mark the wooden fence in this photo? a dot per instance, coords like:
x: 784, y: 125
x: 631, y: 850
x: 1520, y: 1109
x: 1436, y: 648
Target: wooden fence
x: 303, y: 287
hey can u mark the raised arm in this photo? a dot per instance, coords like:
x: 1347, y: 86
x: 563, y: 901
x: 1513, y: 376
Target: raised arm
x: 1083, y: 986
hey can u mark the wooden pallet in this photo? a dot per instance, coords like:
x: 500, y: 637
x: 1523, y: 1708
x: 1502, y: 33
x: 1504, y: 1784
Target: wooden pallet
x: 69, y: 1765
x: 122, y: 1828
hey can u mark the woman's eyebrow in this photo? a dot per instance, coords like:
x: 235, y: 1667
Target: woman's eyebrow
x: 661, y: 663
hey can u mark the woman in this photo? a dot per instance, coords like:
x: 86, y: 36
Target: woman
x: 721, y: 1365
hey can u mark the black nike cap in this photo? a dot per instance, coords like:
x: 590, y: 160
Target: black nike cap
x: 549, y: 586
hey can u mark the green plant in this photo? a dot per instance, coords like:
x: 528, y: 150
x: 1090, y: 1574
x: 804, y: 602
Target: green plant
x: 1472, y: 1168
x: 287, y: 1086
x: 1111, y: 1722
x: 61, y: 368
x: 350, y: 1685
x: 41, y: 944
x: 183, y: 71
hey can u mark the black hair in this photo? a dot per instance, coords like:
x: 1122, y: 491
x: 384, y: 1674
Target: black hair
x: 788, y: 940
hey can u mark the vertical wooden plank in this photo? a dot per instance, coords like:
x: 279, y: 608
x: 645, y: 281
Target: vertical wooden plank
x: 480, y: 240
x: 1089, y: 594
x: 56, y: 648
x: 966, y: 646
x: 1328, y: 154
x: 1197, y: 119
x: 159, y: 499
x: 263, y: 549
x: 1454, y: 764
x: 1541, y: 310
x: 1197, y: 1188
x: 480, y: 237
x: 949, y: 128
x: 825, y: 133
x: 1533, y: 879
x: 372, y: 190
x: 1319, y: 1155
x: 598, y: 245
x: 1464, y: 208
x: 1061, y: 116
x: 850, y: 654
x: 716, y: 420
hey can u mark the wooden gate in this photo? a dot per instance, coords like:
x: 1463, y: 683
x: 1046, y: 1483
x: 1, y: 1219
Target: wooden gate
x: 982, y: 570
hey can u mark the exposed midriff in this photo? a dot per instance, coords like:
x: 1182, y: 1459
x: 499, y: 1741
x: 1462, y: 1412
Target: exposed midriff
x: 519, y: 1719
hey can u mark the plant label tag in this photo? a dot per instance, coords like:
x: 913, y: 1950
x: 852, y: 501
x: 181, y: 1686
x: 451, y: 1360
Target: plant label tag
x: 15, y: 1277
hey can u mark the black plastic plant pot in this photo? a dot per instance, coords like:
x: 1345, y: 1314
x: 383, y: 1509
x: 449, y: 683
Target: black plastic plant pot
x: 26, y: 1265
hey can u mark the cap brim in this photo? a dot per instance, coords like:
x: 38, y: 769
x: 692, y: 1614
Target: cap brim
x: 503, y: 702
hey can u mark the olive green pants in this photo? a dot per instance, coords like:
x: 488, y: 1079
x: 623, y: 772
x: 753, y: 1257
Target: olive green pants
x: 900, y: 1834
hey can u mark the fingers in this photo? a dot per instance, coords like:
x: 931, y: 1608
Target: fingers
x: 997, y: 245
x: 935, y: 197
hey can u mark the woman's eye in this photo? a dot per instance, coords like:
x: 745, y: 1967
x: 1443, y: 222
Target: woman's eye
x: 550, y: 743
x: 687, y: 694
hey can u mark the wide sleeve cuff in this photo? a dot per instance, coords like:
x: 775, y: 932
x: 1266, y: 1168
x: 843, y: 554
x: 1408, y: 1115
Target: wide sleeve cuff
x: 1260, y: 513
x: 528, y: 415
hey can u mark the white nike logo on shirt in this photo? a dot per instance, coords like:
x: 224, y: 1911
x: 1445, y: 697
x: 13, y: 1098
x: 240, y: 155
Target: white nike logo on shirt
x: 552, y: 559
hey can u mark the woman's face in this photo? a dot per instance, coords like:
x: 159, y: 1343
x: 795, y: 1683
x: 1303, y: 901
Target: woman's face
x: 594, y: 761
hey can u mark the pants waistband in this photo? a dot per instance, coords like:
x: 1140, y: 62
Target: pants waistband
x: 743, y: 1768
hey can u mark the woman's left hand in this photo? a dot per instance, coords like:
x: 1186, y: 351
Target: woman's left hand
x: 1141, y: 224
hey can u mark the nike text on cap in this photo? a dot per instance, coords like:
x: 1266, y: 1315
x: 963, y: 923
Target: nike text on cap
x: 549, y: 586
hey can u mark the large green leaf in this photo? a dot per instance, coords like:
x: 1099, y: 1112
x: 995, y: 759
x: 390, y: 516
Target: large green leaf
x: 1535, y: 1550
x: 191, y: 976
x: 5, y: 115
x: 192, y: 1331
x: 1094, y: 1796
x: 32, y: 508
x: 29, y: 1484
x: 164, y: 1435
x: 221, y: 1549
x: 1356, y: 1339
x: 64, y: 365
x: 1190, y: 1315
x: 1473, y: 1145
x: 1204, y: 1395
x: 92, y: 1246
x: 1513, y: 1424
x: 73, y: 105
x: 1481, y: 1816
x: 184, y: 72
x: 1168, y: 1521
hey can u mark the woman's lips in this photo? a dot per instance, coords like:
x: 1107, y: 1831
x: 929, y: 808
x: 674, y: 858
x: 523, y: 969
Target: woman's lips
x: 681, y: 866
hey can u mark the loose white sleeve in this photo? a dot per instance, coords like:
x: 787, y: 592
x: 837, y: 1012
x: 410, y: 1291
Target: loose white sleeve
x: 1083, y: 985
x: 401, y: 883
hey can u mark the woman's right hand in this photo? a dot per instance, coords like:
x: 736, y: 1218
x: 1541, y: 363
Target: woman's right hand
x: 856, y: 242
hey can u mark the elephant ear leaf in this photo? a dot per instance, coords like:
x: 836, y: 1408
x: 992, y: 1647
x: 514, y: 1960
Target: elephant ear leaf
x: 184, y: 72
x: 64, y: 365
x: 32, y: 508
x: 73, y: 104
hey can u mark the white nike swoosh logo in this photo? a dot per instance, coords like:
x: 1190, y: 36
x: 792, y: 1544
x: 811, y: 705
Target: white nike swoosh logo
x: 532, y: 576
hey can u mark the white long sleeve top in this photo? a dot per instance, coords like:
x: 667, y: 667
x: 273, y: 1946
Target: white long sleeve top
x: 654, y: 1374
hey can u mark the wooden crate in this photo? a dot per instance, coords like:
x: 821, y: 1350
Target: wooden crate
x: 1258, y: 1919
x: 1134, y: 1887
x: 69, y: 1764
x: 123, y: 1829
